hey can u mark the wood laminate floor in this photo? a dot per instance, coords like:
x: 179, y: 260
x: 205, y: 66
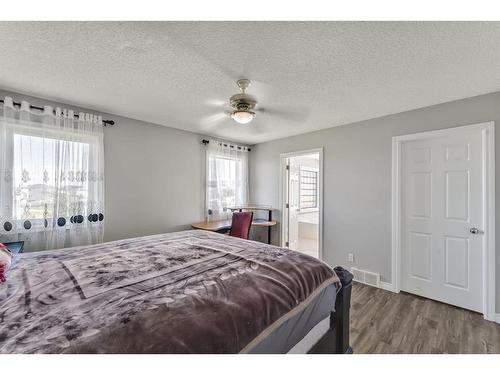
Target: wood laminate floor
x: 385, y: 322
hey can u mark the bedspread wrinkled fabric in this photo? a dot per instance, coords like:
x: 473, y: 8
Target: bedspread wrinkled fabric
x: 183, y: 292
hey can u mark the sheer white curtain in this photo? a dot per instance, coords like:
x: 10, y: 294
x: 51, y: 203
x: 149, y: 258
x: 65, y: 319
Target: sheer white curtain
x: 227, y: 178
x: 51, y: 177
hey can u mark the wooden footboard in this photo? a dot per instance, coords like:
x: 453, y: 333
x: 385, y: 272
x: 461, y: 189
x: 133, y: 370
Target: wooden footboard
x: 336, y: 340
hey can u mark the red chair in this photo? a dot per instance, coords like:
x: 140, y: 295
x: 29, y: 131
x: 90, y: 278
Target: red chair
x: 240, y: 225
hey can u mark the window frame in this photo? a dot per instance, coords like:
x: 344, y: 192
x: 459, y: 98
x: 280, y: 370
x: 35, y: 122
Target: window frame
x: 61, y: 135
x: 316, y: 200
x: 216, y: 208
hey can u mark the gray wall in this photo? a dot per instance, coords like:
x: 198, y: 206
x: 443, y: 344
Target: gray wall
x: 357, y: 177
x: 155, y: 179
x: 154, y: 175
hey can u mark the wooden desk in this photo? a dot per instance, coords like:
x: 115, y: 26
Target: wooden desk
x: 213, y: 226
x: 269, y: 220
x: 222, y: 226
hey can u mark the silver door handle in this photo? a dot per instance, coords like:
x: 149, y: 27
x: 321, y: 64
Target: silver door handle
x: 475, y: 231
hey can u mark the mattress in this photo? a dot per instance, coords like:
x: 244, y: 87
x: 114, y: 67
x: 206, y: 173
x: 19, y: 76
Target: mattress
x: 286, y: 334
x: 183, y: 292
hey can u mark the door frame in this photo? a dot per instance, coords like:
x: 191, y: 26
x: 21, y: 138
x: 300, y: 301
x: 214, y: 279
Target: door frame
x: 283, y: 192
x: 488, y: 165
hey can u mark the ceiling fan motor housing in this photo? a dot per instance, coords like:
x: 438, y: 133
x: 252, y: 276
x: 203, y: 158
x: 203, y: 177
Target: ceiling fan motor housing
x: 242, y: 102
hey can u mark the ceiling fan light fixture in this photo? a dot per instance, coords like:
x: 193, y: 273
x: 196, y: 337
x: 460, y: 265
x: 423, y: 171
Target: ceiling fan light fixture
x: 242, y: 117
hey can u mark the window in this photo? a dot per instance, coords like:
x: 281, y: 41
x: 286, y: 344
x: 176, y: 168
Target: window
x: 52, y: 177
x: 227, y: 178
x: 37, y: 183
x: 308, y: 188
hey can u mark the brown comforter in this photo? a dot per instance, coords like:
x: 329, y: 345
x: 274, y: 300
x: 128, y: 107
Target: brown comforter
x: 184, y: 292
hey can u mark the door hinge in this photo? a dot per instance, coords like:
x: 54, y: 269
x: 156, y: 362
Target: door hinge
x: 287, y: 167
x: 287, y: 244
x: 287, y: 205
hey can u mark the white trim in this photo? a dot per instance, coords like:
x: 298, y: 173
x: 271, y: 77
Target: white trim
x: 395, y: 219
x: 386, y: 286
x: 497, y: 318
x: 489, y: 304
x: 382, y: 285
x: 282, y: 193
x: 488, y: 137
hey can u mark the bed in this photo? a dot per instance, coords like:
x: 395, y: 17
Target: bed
x: 185, y: 292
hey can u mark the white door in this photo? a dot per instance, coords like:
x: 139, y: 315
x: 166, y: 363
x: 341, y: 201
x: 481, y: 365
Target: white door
x: 441, y: 201
x: 293, y: 204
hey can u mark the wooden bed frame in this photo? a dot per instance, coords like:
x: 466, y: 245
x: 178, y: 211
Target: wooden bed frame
x: 336, y: 340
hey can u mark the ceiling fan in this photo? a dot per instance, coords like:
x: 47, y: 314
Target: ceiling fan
x: 243, y: 103
x: 244, y: 108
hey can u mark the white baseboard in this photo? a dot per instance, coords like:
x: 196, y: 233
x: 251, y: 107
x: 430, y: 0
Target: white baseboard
x: 386, y: 286
x: 497, y: 318
x: 382, y: 285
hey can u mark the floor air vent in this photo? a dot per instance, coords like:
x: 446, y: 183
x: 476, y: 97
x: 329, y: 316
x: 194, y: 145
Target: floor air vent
x: 366, y: 277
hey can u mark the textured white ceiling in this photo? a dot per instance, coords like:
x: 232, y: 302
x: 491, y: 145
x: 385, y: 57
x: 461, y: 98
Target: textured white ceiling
x: 176, y: 73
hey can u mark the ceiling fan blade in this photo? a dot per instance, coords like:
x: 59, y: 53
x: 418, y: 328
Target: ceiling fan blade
x: 217, y: 103
x: 288, y: 113
x: 210, y: 122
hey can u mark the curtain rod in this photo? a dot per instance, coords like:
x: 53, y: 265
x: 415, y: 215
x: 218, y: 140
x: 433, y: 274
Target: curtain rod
x: 104, y: 122
x: 206, y: 142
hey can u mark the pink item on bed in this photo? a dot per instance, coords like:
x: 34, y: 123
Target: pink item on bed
x: 5, y: 261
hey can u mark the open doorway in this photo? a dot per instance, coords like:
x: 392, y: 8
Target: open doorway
x: 302, y: 201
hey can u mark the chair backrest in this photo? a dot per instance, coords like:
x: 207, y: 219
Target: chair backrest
x: 240, y: 226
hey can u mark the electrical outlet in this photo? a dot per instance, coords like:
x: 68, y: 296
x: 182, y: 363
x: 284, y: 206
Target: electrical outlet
x: 350, y: 257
